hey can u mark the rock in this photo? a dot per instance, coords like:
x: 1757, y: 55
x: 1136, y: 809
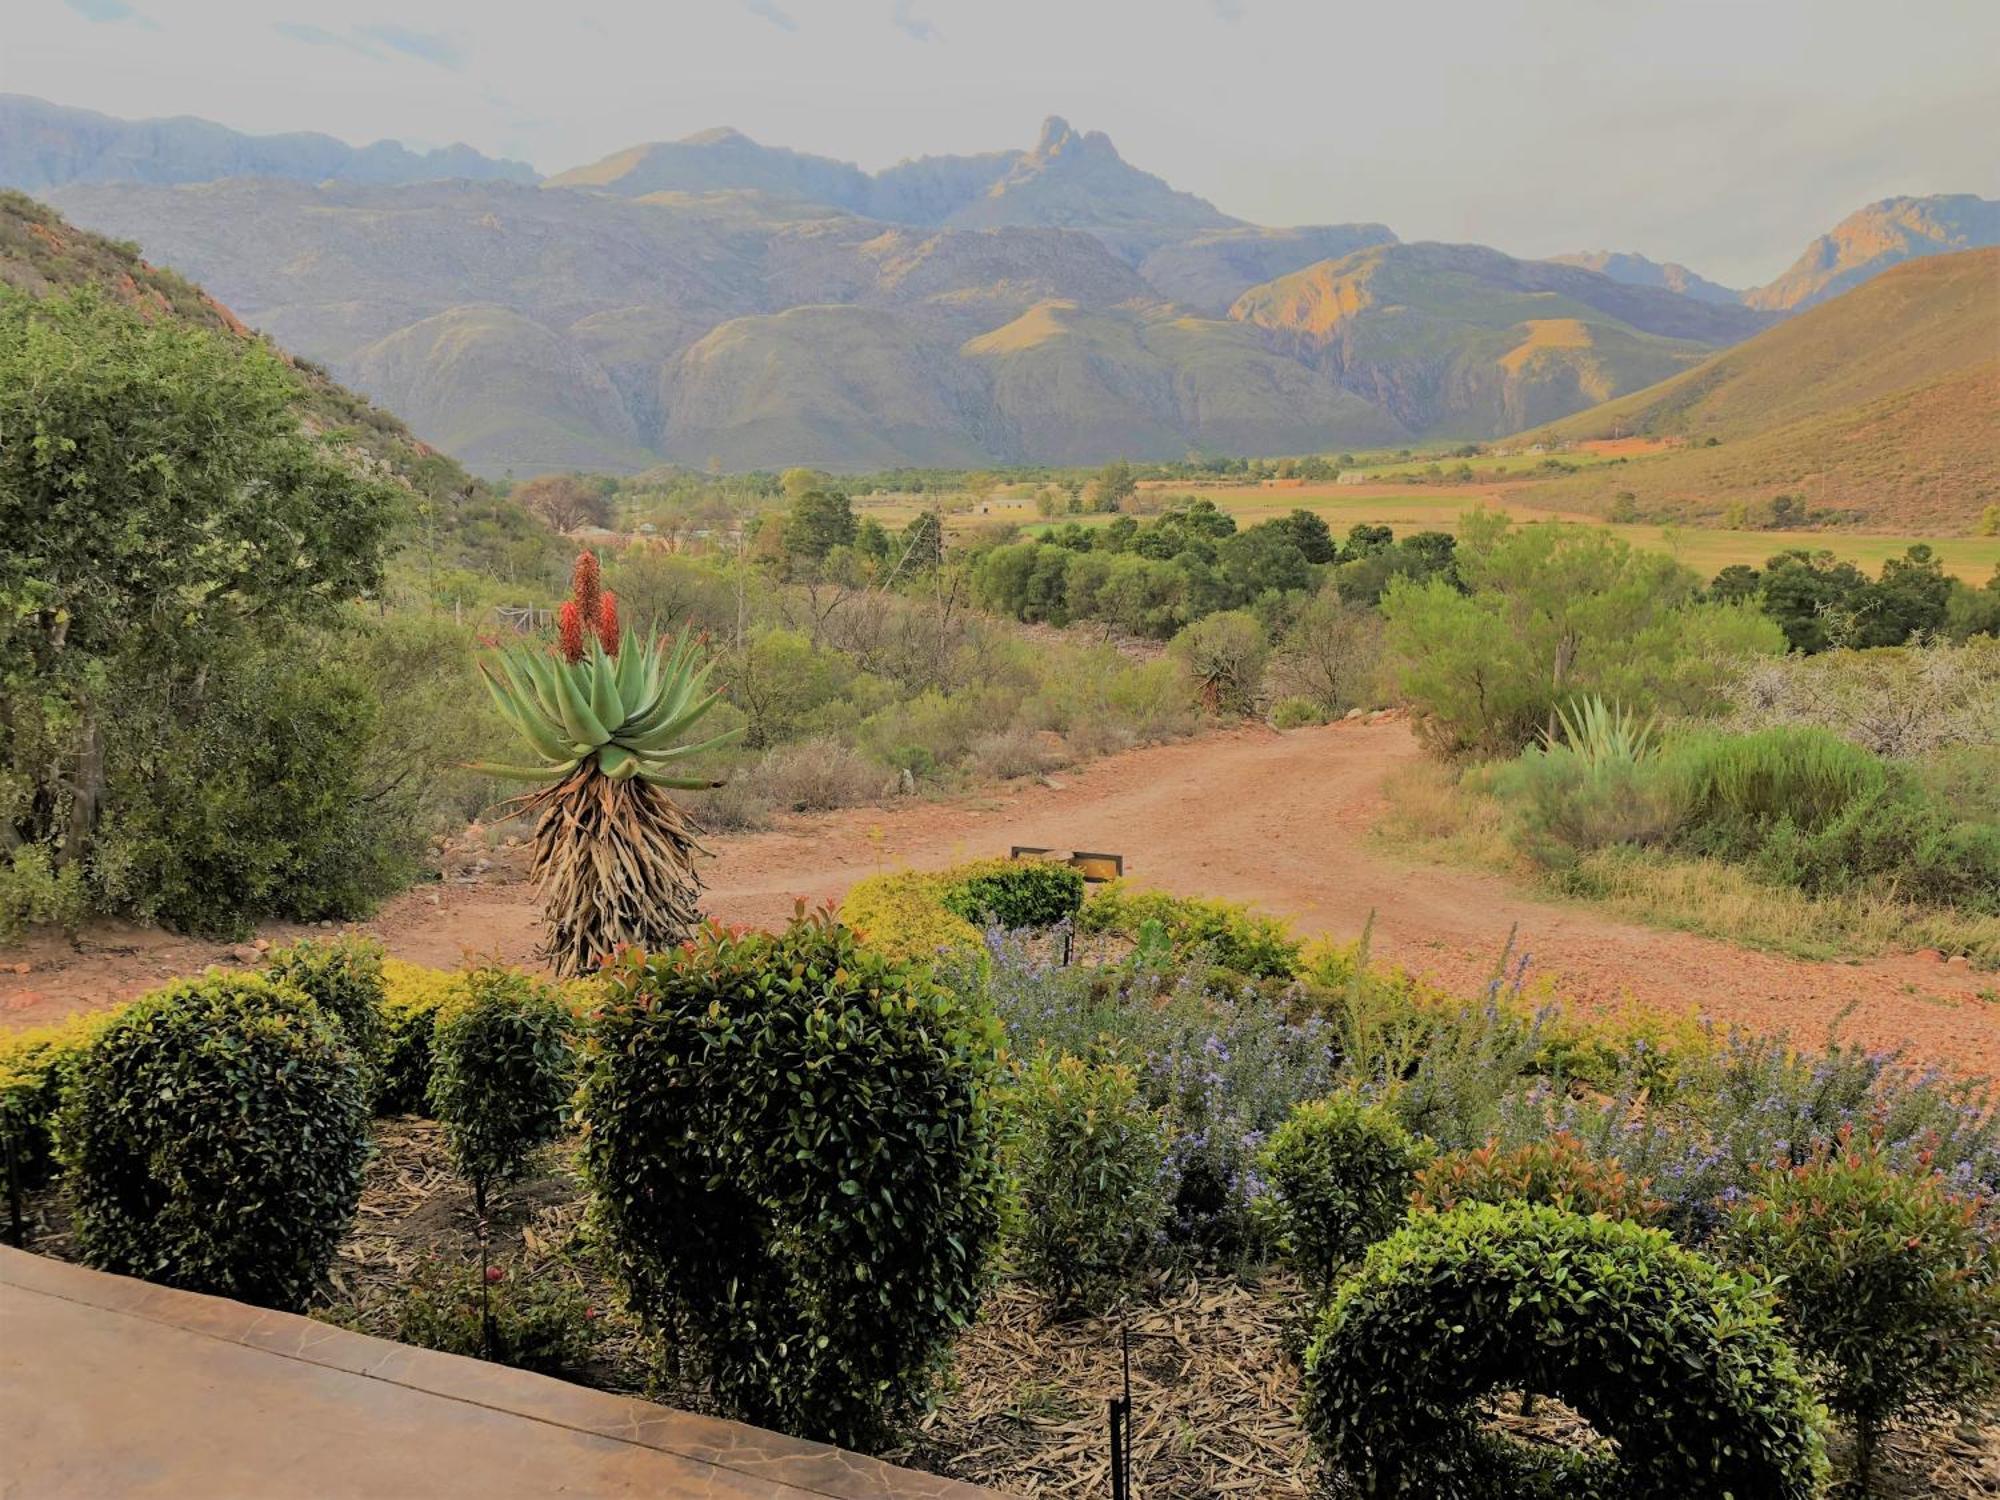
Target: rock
x: 1958, y: 961
x: 1928, y: 955
x: 1355, y: 713
x: 262, y: 945
x: 246, y: 953
x: 24, y: 968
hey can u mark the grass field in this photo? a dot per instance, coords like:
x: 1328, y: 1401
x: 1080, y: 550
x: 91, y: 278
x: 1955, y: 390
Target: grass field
x: 1437, y: 507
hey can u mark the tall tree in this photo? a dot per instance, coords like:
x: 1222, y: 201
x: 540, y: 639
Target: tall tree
x: 158, y: 502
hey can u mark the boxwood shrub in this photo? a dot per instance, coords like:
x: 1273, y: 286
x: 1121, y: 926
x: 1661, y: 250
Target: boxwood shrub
x: 792, y: 1152
x: 1679, y: 1364
x: 343, y: 976
x: 37, y: 1068
x: 412, y: 997
x: 1015, y: 893
x: 214, y: 1137
x: 1229, y: 935
x: 1340, y: 1172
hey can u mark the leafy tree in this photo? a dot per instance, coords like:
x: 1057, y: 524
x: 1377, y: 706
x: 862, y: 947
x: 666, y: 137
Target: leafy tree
x: 1813, y: 597
x: 1552, y: 612
x: 565, y: 501
x: 1113, y: 486
x: 160, y: 506
x: 1910, y: 598
x: 1263, y: 559
x: 1310, y: 533
x: 819, y: 520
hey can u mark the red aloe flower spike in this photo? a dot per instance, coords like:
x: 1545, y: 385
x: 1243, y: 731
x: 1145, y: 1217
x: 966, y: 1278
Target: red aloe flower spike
x: 585, y: 584
x: 607, y: 623
x: 569, y: 632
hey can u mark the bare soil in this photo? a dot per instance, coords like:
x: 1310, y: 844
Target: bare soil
x: 1278, y: 820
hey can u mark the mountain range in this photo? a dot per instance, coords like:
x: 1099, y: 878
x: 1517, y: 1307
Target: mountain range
x: 1881, y: 405
x: 715, y: 301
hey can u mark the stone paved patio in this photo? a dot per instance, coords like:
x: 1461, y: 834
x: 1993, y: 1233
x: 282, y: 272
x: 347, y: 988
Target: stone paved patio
x: 112, y: 1388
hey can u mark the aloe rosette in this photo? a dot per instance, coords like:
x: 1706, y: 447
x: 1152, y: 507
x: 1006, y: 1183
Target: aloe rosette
x: 609, y: 717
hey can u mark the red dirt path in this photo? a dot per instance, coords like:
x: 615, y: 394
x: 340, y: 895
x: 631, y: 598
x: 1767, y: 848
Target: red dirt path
x: 1279, y: 820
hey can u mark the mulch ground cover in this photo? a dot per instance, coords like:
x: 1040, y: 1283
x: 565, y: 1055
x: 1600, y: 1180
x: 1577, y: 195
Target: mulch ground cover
x: 1215, y: 1382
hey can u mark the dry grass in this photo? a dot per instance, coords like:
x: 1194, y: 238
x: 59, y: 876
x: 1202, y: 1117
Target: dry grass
x: 1722, y: 901
x: 1434, y: 815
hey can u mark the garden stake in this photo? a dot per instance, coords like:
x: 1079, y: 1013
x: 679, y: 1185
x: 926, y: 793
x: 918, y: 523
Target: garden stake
x: 1121, y: 1426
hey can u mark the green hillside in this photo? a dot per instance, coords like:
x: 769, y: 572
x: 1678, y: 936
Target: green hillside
x: 1878, y: 406
x: 43, y: 255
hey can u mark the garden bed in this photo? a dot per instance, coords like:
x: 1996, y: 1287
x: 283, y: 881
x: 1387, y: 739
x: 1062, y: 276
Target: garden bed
x: 1215, y: 1388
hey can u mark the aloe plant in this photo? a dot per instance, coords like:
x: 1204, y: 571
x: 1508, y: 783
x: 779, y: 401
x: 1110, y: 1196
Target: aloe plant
x: 608, y: 715
x: 1599, y: 733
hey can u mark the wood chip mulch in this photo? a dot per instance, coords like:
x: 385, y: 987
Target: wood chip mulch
x: 1215, y: 1385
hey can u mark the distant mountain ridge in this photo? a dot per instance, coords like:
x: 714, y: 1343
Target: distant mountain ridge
x: 1871, y: 240
x: 1070, y: 179
x: 44, y: 145
x: 716, y: 300
x: 1879, y: 405
x: 1638, y: 270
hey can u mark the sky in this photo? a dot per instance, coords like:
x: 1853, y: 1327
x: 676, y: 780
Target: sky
x: 1724, y: 134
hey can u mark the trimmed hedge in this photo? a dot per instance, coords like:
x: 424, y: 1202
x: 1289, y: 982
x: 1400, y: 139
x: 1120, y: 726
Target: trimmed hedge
x: 1087, y: 1157
x: 903, y: 917
x: 1231, y: 936
x: 1015, y: 893
x: 1678, y: 1363
x: 214, y: 1138
x: 1559, y: 1171
x: 1888, y: 1281
x: 411, y: 1000
x: 343, y: 977
x: 37, y: 1068
x: 792, y: 1151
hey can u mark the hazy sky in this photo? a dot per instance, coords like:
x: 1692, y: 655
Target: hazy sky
x: 1721, y: 133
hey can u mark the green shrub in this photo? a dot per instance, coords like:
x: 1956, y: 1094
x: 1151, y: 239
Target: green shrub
x: 502, y: 1074
x: 214, y: 1138
x: 1340, y: 1173
x: 792, y: 1150
x: 412, y: 997
x: 343, y: 977
x: 1562, y: 803
x: 903, y: 917
x: 1296, y: 713
x: 37, y: 1068
x: 1731, y: 790
x: 1558, y: 1171
x: 1015, y: 893
x: 1086, y: 1154
x: 1224, y: 656
x: 1887, y: 1282
x: 1678, y: 1364
x: 263, y: 801
x: 531, y: 1317
x: 1231, y: 936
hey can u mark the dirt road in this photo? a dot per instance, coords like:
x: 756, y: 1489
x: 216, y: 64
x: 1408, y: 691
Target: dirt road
x: 1279, y: 820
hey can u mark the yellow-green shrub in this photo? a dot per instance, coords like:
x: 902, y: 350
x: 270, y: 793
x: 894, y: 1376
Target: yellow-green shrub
x: 1231, y: 935
x: 903, y: 917
x: 411, y: 997
x: 36, y: 1066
